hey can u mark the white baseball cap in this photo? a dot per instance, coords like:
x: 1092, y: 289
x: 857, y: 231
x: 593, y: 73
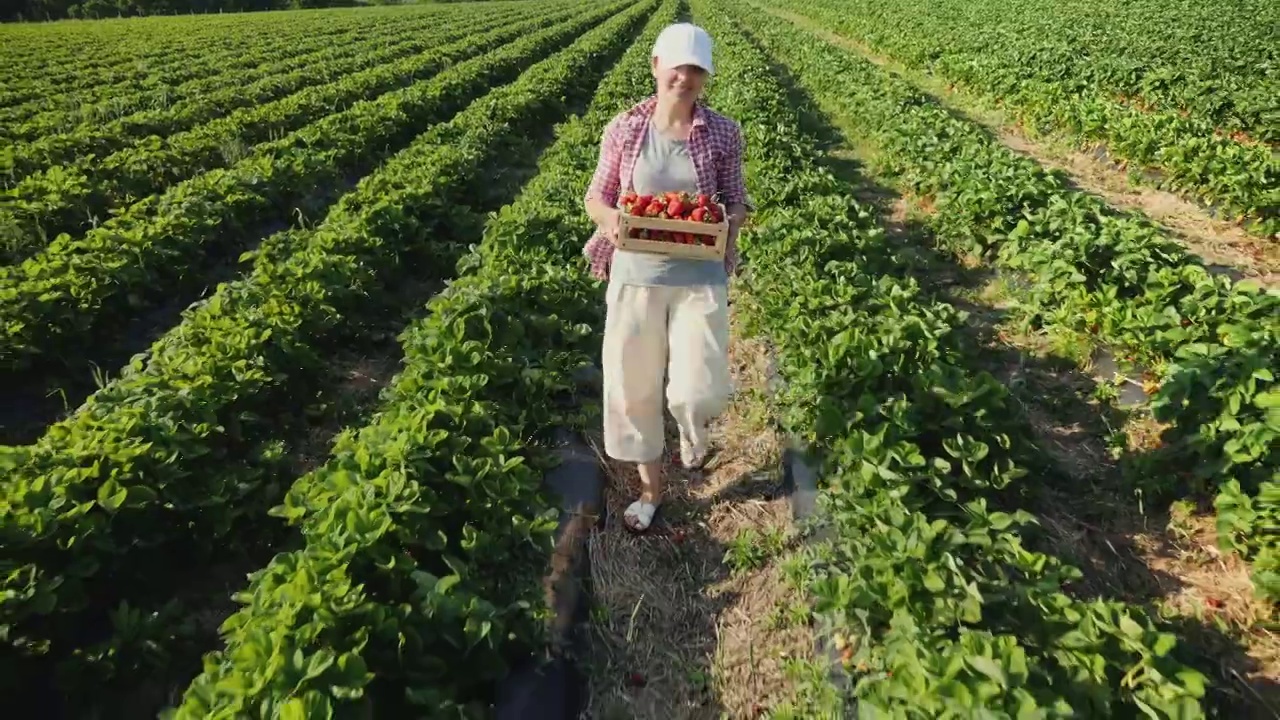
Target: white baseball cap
x: 683, y: 44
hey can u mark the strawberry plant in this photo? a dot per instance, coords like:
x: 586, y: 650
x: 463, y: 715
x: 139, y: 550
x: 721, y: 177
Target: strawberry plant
x: 1082, y: 266
x: 218, y: 374
x: 922, y: 571
x: 80, y: 291
x: 516, y: 323
x: 1203, y: 121
x: 74, y: 188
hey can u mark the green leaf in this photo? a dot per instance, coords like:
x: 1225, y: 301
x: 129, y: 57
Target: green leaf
x: 933, y: 582
x: 111, y: 496
x: 1000, y: 520
x: 294, y: 709
x: 1267, y: 400
x: 1130, y: 628
x: 1165, y: 643
x: 1193, y: 681
x: 444, y: 584
x: 988, y: 667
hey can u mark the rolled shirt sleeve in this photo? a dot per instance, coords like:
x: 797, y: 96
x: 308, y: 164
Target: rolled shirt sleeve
x: 605, y: 183
x: 732, y: 184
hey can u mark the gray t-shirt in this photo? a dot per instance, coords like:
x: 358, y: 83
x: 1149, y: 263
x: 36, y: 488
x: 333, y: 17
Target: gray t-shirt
x: 664, y: 165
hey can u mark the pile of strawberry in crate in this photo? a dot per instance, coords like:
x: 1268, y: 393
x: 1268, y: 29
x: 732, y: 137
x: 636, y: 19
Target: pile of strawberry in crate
x: 673, y: 206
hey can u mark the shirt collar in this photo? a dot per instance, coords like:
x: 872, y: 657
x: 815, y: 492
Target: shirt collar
x: 641, y: 113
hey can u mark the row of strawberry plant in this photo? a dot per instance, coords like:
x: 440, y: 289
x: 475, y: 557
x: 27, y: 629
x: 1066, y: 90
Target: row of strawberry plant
x: 61, y: 301
x: 57, y: 103
x: 186, y: 445
x: 1241, y: 178
x: 205, y: 391
x: 167, y: 56
x: 56, y: 113
x: 1136, y: 52
x: 113, y: 119
x: 70, y: 198
x: 148, y: 57
x: 1113, y: 278
x: 435, y: 588
x: 921, y: 578
x: 39, y: 69
x: 57, y: 137
x: 135, y: 45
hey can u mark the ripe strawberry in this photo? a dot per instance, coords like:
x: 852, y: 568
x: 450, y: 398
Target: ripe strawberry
x: 644, y: 200
x: 704, y: 201
x: 675, y: 208
x: 654, y: 209
x: 699, y: 214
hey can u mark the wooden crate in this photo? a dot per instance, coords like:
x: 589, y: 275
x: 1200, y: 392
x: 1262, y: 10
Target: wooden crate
x: 720, y: 231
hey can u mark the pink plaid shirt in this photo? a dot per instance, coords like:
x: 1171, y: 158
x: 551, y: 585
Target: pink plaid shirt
x: 715, y: 146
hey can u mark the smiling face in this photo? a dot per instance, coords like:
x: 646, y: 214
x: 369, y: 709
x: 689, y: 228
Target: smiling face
x: 683, y: 82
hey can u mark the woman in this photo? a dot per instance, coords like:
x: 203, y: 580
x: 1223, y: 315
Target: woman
x: 665, y: 314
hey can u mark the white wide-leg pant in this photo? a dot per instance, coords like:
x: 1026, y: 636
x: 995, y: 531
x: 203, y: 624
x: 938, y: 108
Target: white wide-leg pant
x: 683, y: 331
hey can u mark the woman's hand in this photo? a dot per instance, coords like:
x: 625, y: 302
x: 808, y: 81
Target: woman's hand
x: 608, y: 219
x: 612, y: 226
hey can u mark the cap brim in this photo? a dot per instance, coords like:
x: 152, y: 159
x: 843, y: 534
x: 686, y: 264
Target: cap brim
x: 678, y: 60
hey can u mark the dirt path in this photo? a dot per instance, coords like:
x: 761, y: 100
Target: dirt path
x: 1223, y: 245
x: 689, y: 620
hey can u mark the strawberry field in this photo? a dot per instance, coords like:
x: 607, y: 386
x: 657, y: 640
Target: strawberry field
x: 293, y: 307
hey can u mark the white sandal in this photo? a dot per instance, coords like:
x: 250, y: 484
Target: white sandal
x: 640, y: 511
x: 692, y: 458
